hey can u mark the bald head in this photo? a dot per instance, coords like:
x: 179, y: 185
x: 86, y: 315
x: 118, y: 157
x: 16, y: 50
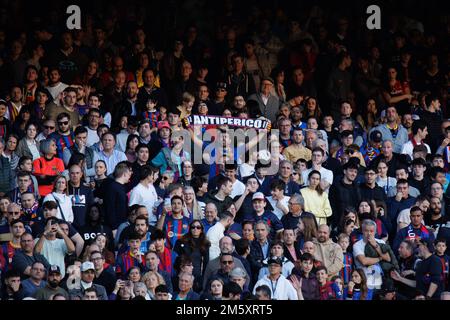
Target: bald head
x: 309, y: 247
x: 323, y: 233
x: 226, y: 245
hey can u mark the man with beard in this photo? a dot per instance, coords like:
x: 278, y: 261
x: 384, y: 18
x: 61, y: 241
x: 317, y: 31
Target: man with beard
x: 69, y: 106
x: 64, y: 136
x: 55, y: 86
x: 53, y: 280
x: 415, y: 231
x: 130, y: 106
x: 328, y: 252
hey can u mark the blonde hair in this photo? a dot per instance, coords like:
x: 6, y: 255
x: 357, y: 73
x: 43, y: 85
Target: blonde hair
x: 147, y: 276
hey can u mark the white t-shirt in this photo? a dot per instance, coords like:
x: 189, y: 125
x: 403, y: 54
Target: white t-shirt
x: 92, y: 137
x: 214, y: 234
x: 34, y: 150
x: 55, y: 251
x: 275, y: 210
x: 65, y: 202
x: 147, y: 197
x: 56, y: 90
x: 408, y: 148
x: 238, y: 189
x: 373, y: 272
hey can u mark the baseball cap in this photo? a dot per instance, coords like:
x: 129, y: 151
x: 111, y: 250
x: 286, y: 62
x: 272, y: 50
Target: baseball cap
x: 275, y: 260
x: 258, y: 196
x: 54, y: 269
x: 268, y: 79
x: 376, y: 136
x: 221, y: 85
x: 87, y: 265
x: 163, y: 124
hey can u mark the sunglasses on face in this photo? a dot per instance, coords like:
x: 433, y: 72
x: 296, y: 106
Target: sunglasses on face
x: 165, y: 178
x: 196, y: 227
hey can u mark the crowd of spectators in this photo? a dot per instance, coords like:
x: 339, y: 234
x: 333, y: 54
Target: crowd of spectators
x: 101, y: 198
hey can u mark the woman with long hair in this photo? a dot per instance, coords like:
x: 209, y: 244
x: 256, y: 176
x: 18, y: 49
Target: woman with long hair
x: 316, y: 200
x: 396, y: 93
x: 214, y: 290
x: 195, y: 245
x: 28, y: 145
x: 102, y: 241
x: 348, y: 222
x: 383, y: 180
x: 366, y: 210
x: 312, y: 109
x: 193, y: 209
x: 130, y: 149
x: 21, y: 122
x: 9, y: 151
x: 60, y: 195
x: 357, y: 288
x: 278, y: 76
x: 306, y: 229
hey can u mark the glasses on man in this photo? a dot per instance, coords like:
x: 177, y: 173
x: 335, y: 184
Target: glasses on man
x: 293, y: 203
x: 65, y: 123
x: 165, y: 178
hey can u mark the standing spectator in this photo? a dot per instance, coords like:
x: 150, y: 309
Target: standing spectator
x: 267, y: 102
x: 145, y: 193
x: 64, y: 136
x: 216, y: 232
x: 338, y: 86
x: 116, y: 200
x: 52, y: 248
x: 345, y: 192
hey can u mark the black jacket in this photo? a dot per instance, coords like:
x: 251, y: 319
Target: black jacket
x: 376, y: 193
x: 342, y: 196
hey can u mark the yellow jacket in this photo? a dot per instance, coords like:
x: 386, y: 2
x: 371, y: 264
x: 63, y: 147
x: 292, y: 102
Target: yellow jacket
x: 319, y: 205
